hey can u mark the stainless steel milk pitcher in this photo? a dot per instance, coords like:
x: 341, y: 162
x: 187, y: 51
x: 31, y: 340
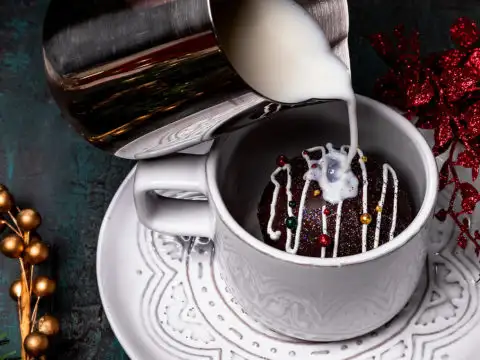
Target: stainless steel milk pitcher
x: 146, y: 78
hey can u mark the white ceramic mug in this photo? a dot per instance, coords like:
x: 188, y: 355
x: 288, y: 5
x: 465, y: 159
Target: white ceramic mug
x: 308, y: 298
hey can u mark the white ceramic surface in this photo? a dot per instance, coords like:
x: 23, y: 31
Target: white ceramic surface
x: 307, y: 298
x: 165, y: 300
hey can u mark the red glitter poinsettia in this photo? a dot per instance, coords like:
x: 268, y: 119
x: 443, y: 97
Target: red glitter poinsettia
x: 442, y: 92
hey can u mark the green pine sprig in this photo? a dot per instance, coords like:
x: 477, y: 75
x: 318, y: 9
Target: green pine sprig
x: 8, y: 356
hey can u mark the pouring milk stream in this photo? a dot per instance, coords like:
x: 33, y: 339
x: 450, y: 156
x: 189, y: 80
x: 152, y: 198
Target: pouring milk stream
x: 279, y: 50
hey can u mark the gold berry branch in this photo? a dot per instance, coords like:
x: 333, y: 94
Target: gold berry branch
x: 24, y: 244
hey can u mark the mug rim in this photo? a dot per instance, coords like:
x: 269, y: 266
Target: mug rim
x: 426, y: 209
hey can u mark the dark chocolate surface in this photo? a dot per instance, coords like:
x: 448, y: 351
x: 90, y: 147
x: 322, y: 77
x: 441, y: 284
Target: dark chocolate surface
x: 350, y: 240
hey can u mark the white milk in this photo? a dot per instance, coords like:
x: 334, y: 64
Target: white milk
x: 280, y: 51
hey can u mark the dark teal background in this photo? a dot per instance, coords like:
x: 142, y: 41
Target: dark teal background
x: 48, y: 166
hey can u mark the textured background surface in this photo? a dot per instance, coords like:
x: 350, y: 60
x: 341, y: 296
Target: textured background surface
x: 48, y: 166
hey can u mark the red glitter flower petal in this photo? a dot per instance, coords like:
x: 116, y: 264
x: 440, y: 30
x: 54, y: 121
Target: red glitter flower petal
x: 474, y: 126
x: 464, y: 33
x: 470, y: 197
x: 450, y: 58
x: 472, y: 118
x: 462, y: 241
x: 420, y: 94
x: 381, y: 44
x: 456, y: 82
x: 468, y: 190
x: 441, y: 91
x: 469, y: 204
x: 444, y: 176
x: 474, y: 61
x: 443, y: 134
x: 475, y: 172
x: 467, y: 159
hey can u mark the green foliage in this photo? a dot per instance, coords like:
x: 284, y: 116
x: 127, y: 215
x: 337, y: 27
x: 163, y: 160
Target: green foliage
x: 5, y: 341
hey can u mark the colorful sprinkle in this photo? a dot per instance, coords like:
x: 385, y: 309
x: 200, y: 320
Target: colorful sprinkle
x: 324, y: 240
x: 366, y: 219
x: 291, y: 222
x: 282, y: 161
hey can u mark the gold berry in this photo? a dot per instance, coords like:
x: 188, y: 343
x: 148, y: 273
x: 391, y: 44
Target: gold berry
x: 48, y: 325
x: 316, y: 193
x: 364, y: 159
x: 28, y: 219
x: 12, y: 246
x: 3, y: 225
x: 44, y: 286
x: 366, y: 219
x: 378, y: 209
x: 36, y: 344
x: 36, y: 253
x: 6, y: 201
x: 16, y: 290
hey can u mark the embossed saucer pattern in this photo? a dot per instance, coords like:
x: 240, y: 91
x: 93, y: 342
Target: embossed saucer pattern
x: 166, y: 300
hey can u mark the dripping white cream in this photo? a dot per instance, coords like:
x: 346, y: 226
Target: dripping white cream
x: 280, y: 51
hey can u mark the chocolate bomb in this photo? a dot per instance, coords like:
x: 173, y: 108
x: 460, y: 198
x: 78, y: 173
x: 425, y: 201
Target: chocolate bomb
x: 316, y: 209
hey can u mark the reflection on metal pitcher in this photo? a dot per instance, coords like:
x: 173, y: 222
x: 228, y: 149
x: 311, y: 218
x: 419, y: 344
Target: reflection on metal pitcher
x: 123, y: 73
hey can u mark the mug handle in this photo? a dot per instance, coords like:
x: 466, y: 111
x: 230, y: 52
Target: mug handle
x: 168, y: 215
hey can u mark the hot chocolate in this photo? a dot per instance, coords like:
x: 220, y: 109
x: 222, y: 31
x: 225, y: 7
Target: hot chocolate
x: 295, y: 216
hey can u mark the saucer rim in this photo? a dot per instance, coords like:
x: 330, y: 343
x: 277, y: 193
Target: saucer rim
x: 125, y: 342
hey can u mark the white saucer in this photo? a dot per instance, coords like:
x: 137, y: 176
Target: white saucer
x: 165, y: 300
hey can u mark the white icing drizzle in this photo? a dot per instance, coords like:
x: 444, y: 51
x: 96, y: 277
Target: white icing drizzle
x: 386, y: 170
x: 275, y: 234
x: 303, y: 199
x: 300, y: 221
x: 363, y: 168
x: 337, y: 229
x: 364, y: 198
x: 324, y: 229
